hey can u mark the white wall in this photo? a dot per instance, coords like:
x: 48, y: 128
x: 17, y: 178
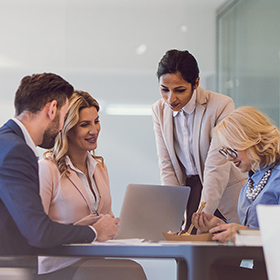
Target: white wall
x: 92, y: 44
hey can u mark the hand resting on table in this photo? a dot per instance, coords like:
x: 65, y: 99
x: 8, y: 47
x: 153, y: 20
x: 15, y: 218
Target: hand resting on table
x: 106, y: 228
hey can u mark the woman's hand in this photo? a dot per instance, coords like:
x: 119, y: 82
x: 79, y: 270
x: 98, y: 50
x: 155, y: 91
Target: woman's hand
x: 204, y: 222
x: 107, y: 228
x: 227, y: 232
x: 88, y: 220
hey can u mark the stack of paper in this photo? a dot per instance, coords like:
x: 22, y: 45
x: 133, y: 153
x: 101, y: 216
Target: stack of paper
x: 248, y: 237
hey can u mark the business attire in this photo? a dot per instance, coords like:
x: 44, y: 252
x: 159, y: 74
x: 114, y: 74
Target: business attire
x: 65, y: 198
x: 24, y: 226
x: 203, y: 164
x: 247, y: 210
x: 68, y: 199
x: 270, y: 194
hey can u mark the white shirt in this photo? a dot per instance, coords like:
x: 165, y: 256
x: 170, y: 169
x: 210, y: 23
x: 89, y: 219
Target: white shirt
x: 91, y: 163
x: 183, y: 135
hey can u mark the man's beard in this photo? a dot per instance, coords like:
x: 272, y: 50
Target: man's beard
x: 50, y: 133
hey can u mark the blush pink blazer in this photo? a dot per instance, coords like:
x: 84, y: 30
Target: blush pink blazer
x: 65, y: 199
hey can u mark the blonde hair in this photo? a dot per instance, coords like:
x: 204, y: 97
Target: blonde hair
x: 78, y: 101
x: 246, y: 128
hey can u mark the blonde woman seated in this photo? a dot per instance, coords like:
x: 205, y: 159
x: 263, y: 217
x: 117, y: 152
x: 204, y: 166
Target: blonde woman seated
x: 252, y: 144
x: 74, y: 187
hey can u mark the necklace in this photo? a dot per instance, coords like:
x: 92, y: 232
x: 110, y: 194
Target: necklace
x: 252, y: 192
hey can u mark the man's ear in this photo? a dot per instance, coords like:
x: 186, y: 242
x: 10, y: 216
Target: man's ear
x: 52, y: 109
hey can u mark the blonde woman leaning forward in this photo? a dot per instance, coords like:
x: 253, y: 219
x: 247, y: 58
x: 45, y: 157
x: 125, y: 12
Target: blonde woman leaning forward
x: 74, y: 187
x: 251, y: 143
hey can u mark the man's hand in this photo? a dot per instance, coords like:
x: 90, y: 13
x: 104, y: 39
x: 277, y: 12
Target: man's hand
x: 106, y: 228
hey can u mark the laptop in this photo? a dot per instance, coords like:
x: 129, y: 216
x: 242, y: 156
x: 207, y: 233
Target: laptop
x: 149, y: 210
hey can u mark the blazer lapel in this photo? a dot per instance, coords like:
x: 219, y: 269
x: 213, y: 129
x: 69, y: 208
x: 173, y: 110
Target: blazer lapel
x: 99, y: 182
x: 76, y: 182
x: 201, y: 102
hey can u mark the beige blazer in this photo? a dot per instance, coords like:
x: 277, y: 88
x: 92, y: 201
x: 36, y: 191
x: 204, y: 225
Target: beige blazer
x: 221, y: 180
x: 65, y: 199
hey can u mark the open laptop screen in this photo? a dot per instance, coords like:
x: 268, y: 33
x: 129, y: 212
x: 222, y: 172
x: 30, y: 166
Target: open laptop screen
x: 149, y: 210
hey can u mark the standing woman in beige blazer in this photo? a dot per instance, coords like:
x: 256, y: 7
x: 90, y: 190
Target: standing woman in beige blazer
x: 183, y: 120
x: 74, y: 187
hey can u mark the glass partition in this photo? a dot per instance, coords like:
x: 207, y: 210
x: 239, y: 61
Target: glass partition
x: 248, y: 53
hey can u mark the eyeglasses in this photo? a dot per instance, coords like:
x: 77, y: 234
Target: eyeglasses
x: 228, y: 152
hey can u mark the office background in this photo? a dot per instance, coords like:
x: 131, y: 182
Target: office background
x: 248, y: 54
x: 111, y: 49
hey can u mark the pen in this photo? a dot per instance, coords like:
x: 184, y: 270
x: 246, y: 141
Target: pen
x: 96, y: 213
x: 219, y: 231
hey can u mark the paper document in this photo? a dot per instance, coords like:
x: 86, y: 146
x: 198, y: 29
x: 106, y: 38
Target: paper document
x: 130, y: 241
x: 248, y: 237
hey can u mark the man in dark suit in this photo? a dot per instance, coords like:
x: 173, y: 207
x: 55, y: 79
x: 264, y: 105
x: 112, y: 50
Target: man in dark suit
x: 41, y: 103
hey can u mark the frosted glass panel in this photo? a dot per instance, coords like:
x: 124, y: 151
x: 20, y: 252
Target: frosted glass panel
x: 248, y: 54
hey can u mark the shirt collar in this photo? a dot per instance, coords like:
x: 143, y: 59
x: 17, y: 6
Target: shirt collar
x: 259, y: 173
x: 27, y: 136
x: 189, y: 107
x: 90, y: 161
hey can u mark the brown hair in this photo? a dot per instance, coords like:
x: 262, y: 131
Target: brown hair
x: 37, y: 90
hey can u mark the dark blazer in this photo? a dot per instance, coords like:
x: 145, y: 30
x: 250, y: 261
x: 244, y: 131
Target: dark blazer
x: 24, y: 226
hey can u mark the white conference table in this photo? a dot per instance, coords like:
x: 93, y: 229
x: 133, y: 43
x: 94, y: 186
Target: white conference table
x: 194, y: 259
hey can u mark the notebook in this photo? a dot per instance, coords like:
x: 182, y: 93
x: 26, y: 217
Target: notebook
x: 149, y: 210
